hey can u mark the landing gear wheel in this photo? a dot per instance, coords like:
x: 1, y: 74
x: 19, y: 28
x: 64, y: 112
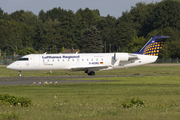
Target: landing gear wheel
x: 91, y: 73
x: 19, y: 74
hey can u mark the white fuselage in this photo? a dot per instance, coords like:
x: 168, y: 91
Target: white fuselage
x: 91, y: 61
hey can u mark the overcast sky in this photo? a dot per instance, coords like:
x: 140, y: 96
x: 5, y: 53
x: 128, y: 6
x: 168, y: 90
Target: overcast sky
x: 111, y: 7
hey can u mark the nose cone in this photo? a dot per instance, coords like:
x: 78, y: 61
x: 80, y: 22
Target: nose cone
x: 9, y: 66
x: 12, y: 66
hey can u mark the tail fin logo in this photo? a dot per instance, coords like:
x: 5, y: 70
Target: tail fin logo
x: 153, y: 46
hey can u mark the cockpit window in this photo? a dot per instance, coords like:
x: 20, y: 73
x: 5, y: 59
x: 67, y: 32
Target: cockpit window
x: 23, y: 59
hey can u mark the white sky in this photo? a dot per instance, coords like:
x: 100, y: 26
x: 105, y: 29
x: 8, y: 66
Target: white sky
x: 111, y: 7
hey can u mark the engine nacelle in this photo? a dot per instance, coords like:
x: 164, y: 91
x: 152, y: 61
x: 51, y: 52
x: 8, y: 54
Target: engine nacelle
x: 121, y: 56
x: 124, y: 57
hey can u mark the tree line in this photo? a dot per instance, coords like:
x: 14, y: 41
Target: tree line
x: 24, y: 32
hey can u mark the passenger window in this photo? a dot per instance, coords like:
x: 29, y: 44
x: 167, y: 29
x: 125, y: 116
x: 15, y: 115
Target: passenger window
x: 101, y: 59
x: 91, y: 59
x: 96, y: 59
x: 82, y: 59
x: 87, y: 59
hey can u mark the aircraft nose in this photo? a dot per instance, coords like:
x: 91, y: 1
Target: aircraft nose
x: 12, y: 66
x: 9, y: 66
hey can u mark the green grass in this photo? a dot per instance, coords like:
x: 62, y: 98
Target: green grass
x: 140, y: 70
x: 100, y: 101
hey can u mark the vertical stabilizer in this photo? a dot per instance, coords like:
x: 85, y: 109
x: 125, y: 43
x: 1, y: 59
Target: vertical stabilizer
x: 153, y: 46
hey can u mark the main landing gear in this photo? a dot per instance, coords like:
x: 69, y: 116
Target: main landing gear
x: 19, y: 74
x: 90, y: 72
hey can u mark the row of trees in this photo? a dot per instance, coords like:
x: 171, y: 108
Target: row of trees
x: 88, y: 31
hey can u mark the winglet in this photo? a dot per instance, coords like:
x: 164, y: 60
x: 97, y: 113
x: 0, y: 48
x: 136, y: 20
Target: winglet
x: 153, y: 46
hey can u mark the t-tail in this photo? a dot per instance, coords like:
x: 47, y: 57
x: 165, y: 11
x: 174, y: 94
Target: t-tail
x: 153, y: 46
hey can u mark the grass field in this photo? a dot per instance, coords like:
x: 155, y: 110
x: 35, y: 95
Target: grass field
x: 101, y: 101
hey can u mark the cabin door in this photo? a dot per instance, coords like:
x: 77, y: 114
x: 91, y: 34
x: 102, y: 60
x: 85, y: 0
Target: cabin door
x: 36, y: 60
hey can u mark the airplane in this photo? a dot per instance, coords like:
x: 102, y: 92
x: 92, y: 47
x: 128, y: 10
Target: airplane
x: 90, y: 62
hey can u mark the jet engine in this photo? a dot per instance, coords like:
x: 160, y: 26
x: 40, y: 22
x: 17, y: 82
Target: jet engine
x: 124, y: 57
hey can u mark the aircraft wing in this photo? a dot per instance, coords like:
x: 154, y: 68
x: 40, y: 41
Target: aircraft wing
x: 93, y: 68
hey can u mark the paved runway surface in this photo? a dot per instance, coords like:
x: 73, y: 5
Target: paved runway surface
x: 42, y: 80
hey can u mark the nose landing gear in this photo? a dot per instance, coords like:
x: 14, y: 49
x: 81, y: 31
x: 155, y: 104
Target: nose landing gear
x: 19, y: 74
